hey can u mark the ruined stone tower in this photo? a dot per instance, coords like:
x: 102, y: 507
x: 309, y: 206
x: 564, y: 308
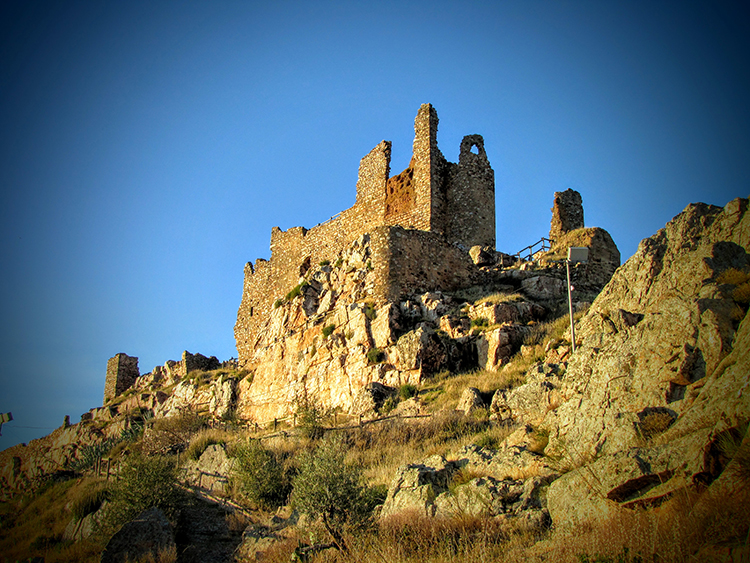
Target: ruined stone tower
x: 567, y: 213
x: 421, y: 223
x: 122, y: 371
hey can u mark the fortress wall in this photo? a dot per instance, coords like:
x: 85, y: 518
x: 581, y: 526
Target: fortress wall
x: 426, y: 161
x: 411, y: 261
x: 443, y: 206
x: 470, y: 196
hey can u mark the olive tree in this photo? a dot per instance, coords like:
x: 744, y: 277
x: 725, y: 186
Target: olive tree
x: 326, y: 487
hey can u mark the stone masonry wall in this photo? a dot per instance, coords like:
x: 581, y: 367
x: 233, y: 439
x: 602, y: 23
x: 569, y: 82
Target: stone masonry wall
x: 567, y: 213
x: 410, y: 261
x: 470, y: 196
x: 455, y: 201
x: 122, y: 372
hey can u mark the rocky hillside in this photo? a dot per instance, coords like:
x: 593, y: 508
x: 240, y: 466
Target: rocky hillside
x: 637, y: 440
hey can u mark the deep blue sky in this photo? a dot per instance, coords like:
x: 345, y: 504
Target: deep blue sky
x: 147, y: 148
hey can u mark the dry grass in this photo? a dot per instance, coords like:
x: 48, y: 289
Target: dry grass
x: 674, y: 532
x: 207, y: 437
x: 444, y: 390
x: 497, y: 298
x: 33, y: 526
x: 412, y: 538
x: 87, y: 496
x: 380, y: 449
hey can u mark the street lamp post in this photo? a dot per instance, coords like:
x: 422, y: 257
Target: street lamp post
x: 576, y: 254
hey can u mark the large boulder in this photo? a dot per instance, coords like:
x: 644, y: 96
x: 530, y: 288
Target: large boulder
x: 658, y: 334
x: 416, y: 486
x: 210, y: 472
x: 471, y: 400
x: 496, y: 346
x: 148, y: 535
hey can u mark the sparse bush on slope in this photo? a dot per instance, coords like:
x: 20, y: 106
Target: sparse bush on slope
x: 258, y: 476
x: 327, y: 488
x: 145, y: 482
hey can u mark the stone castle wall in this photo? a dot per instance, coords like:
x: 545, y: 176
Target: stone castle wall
x: 122, y: 372
x: 454, y: 202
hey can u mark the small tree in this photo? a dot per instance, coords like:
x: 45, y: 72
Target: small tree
x: 310, y: 416
x: 145, y: 482
x: 326, y: 488
x: 258, y: 476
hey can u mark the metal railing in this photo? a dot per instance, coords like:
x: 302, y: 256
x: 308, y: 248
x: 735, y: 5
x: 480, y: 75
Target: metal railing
x: 545, y: 243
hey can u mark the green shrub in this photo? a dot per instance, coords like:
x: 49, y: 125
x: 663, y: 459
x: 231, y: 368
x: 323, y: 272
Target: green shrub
x: 145, y: 482
x: 88, y: 455
x: 370, y: 311
x: 310, y: 416
x: 296, y: 291
x: 487, y: 441
x: 328, y: 330
x: 389, y: 404
x: 258, y: 477
x: 338, y: 263
x: 326, y: 487
x: 407, y: 391
x: 375, y: 356
x: 480, y: 322
x: 278, y: 303
x: 324, y: 263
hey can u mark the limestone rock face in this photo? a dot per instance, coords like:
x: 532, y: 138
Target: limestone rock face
x: 332, y: 339
x: 218, y: 397
x: 669, y: 335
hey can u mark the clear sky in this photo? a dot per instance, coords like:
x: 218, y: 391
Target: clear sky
x: 148, y: 147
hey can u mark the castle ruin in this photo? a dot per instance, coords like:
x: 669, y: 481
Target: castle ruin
x: 421, y: 224
x: 122, y: 372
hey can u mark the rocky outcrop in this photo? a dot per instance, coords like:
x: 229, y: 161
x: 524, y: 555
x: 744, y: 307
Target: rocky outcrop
x: 653, y: 403
x: 149, y: 535
x: 210, y: 472
x: 216, y: 397
x: 603, y: 260
x: 661, y: 369
x: 328, y: 340
x: 508, y: 483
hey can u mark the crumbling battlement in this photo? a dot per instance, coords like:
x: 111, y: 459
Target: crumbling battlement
x: 453, y: 202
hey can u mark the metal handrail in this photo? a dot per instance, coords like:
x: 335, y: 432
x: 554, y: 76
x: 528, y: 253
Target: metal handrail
x: 543, y: 241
